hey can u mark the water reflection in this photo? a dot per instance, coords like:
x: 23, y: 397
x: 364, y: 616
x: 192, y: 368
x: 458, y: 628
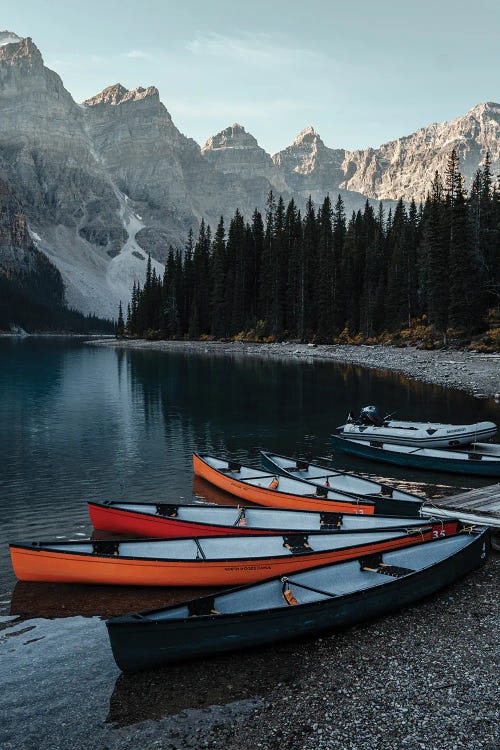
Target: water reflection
x: 53, y: 600
x: 217, y: 681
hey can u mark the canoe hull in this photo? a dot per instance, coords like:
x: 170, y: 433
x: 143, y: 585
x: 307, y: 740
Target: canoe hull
x: 141, y: 644
x: 274, y: 498
x: 429, y: 463
x: 36, y: 564
x: 107, y: 518
x: 384, y: 505
x: 118, y: 518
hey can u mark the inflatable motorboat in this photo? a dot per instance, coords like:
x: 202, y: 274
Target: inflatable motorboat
x: 370, y: 426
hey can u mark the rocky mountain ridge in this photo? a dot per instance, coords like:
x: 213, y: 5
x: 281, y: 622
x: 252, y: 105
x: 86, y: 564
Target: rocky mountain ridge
x: 105, y: 182
x: 24, y: 270
x: 404, y: 168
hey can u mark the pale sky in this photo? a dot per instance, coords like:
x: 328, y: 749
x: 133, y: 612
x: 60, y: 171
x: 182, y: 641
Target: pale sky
x: 362, y: 72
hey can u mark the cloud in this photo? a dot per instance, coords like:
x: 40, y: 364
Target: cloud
x: 138, y: 54
x: 254, y: 48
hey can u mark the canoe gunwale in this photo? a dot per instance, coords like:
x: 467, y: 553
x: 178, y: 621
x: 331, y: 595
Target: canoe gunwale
x: 399, y: 521
x: 145, y: 618
x: 426, y: 528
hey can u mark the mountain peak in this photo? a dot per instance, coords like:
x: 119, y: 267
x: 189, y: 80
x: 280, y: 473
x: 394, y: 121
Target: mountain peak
x: 118, y: 94
x: 18, y: 50
x: 308, y: 135
x: 8, y: 37
x: 234, y: 137
x: 490, y: 108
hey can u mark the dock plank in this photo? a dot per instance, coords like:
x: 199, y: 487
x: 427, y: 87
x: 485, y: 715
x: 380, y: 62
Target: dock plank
x: 481, y: 505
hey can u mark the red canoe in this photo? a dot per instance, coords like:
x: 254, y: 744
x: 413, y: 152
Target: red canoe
x: 181, y: 520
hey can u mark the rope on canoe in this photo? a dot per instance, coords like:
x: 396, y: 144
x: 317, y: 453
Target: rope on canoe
x: 285, y: 580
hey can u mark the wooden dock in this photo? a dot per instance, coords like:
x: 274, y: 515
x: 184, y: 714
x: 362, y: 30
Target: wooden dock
x: 481, y: 506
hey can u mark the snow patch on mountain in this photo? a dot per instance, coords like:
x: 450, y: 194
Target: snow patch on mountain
x: 97, y: 282
x: 129, y: 265
x: 8, y: 37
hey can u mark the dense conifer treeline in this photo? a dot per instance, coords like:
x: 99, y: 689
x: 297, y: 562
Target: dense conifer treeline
x: 35, y: 301
x: 320, y: 275
x: 20, y: 308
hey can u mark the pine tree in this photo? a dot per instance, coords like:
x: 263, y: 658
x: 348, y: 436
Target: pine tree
x: 325, y: 271
x: 464, y: 297
x: 434, y: 255
x: 352, y: 272
x: 120, y: 326
x: 372, y: 297
x: 308, y: 301
x: 257, y: 248
x: 293, y: 239
x: 266, y: 272
x: 169, y: 320
x: 236, y: 279
x: 399, y: 273
x: 339, y: 230
x: 279, y: 270
x: 219, y: 304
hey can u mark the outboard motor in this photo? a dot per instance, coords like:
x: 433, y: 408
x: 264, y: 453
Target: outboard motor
x: 370, y: 415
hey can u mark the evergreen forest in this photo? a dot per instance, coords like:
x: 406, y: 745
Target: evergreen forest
x: 432, y: 269
x: 35, y: 301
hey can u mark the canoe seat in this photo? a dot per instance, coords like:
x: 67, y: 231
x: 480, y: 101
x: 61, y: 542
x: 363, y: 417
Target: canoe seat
x: 233, y: 466
x: 386, y: 491
x: 321, y: 491
x: 200, y: 607
x: 375, y: 564
x: 167, y: 509
x: 297, y: 543
x: 288, y: 596
x: 105, y: 547
x: 301, y: 465
x: 330, y: 521
x: 241, y: 520
x: 288, y: 593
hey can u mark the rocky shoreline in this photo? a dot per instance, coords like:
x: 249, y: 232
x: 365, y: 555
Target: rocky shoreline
x: 475, y: 373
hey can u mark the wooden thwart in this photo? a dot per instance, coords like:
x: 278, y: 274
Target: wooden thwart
x: 481, y: 505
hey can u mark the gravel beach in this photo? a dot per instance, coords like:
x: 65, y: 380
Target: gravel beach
x: 478, y: 374
x: 425, y: 677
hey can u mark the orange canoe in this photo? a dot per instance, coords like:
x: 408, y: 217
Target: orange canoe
x: 274, y: 491
x: 212, y: 561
